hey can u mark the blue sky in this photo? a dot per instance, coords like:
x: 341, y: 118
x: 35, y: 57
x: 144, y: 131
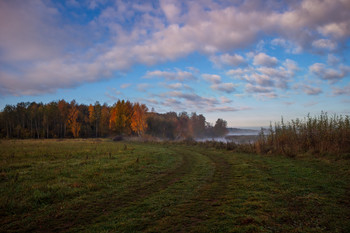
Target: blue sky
x: 249, y: 62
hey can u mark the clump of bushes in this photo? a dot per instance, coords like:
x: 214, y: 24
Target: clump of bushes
x: 319, y: 135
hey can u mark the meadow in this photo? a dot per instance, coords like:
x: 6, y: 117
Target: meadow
x: 97, y: 185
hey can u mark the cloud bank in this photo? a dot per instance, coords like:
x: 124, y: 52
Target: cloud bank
x: 46, y: 45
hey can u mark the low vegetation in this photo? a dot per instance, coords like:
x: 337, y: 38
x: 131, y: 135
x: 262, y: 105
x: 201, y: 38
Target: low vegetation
x: 98, y: 185
x: 320, y: 135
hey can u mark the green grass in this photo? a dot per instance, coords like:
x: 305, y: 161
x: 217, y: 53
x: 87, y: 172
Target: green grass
x: 105, y: 186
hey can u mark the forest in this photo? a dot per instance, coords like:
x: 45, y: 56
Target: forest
x: 61, y: 119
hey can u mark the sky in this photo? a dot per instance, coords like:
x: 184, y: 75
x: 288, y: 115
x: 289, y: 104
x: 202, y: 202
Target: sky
x: 249, y: 62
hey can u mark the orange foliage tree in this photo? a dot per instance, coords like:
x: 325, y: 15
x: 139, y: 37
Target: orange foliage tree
x: 73, y: 123
x: 120, y: 118
x: 138, y: 120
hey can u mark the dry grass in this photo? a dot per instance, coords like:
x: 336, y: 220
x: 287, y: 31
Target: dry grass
x: 320, y: 135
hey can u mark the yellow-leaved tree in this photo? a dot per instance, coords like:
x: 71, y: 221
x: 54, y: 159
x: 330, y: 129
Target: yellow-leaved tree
x: 73, y: 123
x: 120, y: 117
x: 138, y: 120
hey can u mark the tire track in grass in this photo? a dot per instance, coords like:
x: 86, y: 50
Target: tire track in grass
x: 85, y: 213
x: 143, y: 213
x: 206, y: 203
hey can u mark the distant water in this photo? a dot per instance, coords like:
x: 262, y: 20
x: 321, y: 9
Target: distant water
x: 245, y: 131
x: 219, y: 139
x: 238, y: 135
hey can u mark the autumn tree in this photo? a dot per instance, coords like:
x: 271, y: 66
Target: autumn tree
x: 73, y: 123
x: 120, y: 119
x: 138, y: 119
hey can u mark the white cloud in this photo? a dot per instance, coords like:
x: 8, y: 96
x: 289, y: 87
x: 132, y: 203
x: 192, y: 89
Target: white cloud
x: 171, y: 76
x: 279, y: 42
x: 93, y: 4
x: 291, y: 66
x: 192, y: 100
x: 237, y: 72
x: 260, y: 79
x: 257, y: 89
x: 225, y: 100
x: 125, y: 85
x: 170, y: 101
x: 150, y: 100
x: 330, y: 74
x: 342, y: 90
x: 324, y: 44
x: 212, y: 78
x: 311, y: 90
x: 266, y: 79
x: 270, y: 95
x: 287, y: 45
x: 263, y: 59
x: 224, y: 87
x: 24, y: 32
x: 142, y: 7
x: 171, y: 10
x: 177, y: 86
x: 332, y: 60
x: 337, y: 30
x: 58, y: 55
x: 143, y: 87
x: 278, y: 77
x: 113, y: 94
x: 228, y: 60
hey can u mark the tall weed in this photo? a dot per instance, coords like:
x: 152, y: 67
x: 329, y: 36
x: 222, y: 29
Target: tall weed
x: 319, y: 135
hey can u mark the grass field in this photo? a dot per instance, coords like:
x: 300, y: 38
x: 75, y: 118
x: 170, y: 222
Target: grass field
x: 106, y: 186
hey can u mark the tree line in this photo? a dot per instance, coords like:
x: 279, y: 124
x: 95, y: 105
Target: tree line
x: 61, y: 119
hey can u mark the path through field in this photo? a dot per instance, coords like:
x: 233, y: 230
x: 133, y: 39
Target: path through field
x: 103, y: 186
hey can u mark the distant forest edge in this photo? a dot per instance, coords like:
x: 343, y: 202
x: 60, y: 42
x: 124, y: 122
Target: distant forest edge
x: 320, y: 135
x: 61, y: 119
